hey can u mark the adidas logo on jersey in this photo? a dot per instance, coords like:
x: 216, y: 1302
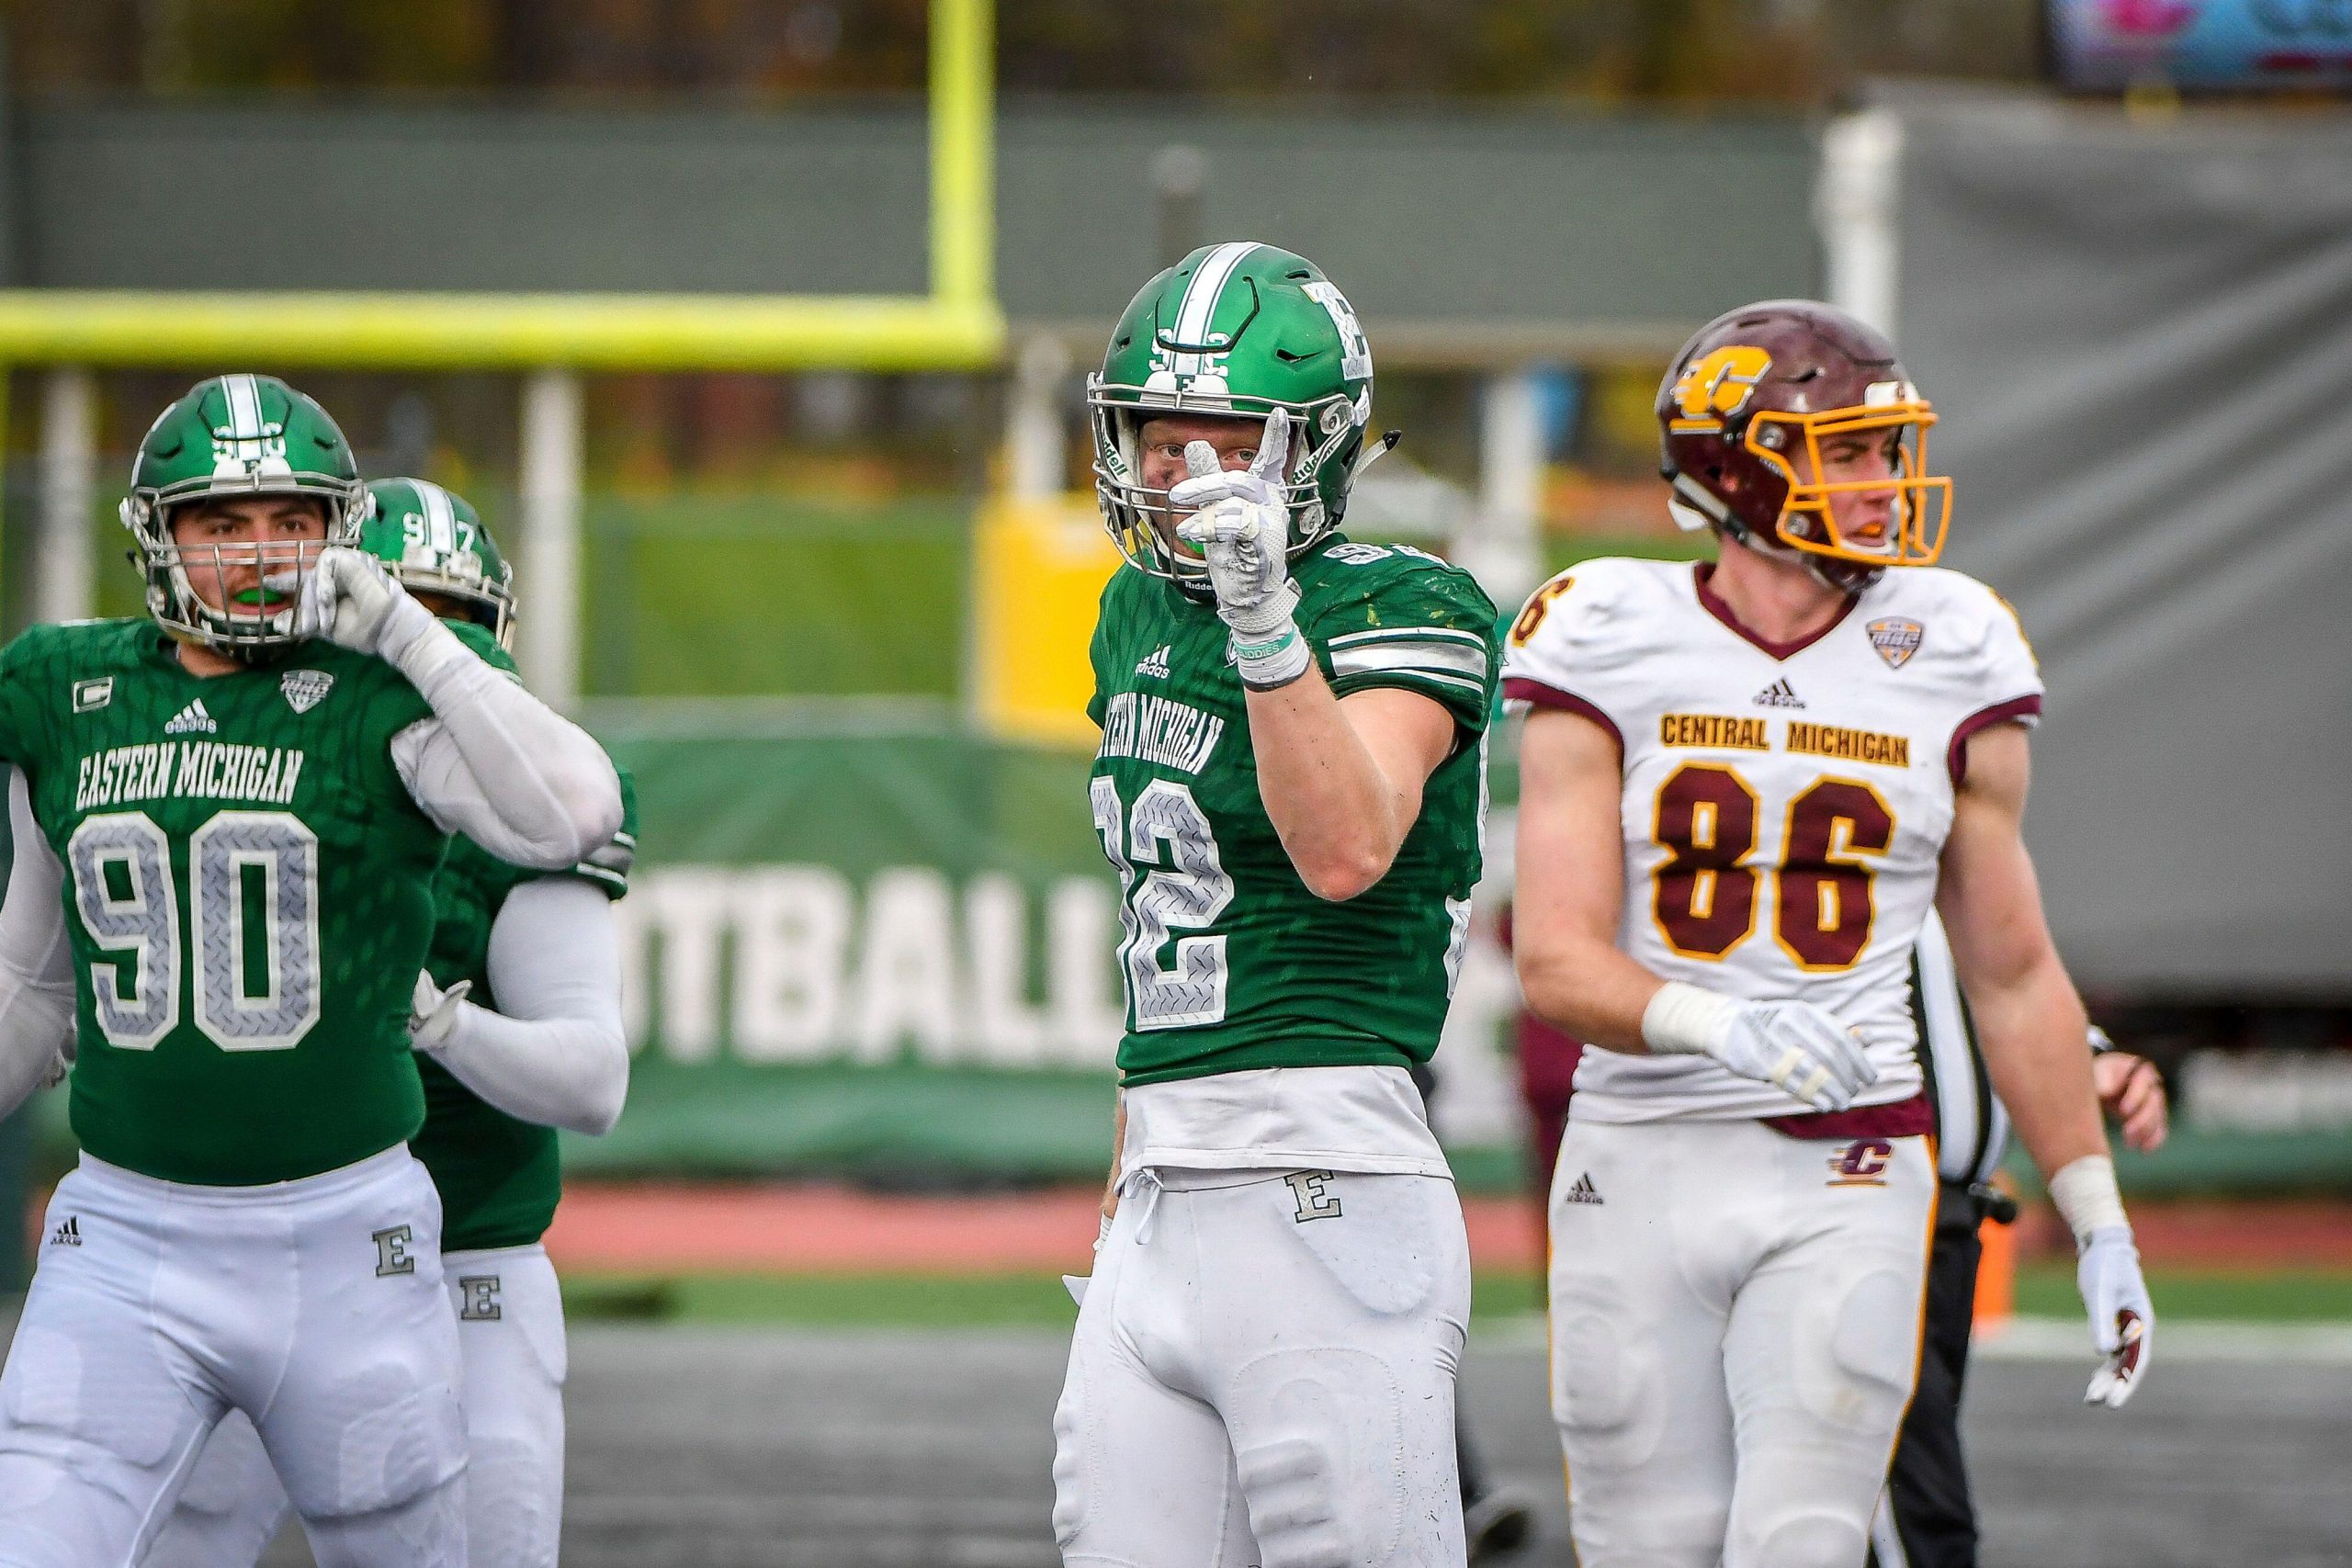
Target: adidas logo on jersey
x: 1584, y: 1192
x: 1778, y: 695
x: 1155, y: 665
x: 191, y: 720
x: 69, y: 1234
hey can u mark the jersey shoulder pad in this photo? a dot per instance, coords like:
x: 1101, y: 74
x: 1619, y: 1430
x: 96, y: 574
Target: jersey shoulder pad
x: 1967, y: 637
x: 50, y: 671
x: 1581, y: 636
x: 61, y: 646
x: 609, y: 866
x: 1394, y: 615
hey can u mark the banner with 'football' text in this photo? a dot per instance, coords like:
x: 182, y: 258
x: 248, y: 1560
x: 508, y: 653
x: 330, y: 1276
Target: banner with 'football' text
x: 880, y: 952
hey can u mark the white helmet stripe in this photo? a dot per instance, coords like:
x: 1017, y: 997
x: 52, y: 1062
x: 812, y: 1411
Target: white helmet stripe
x: 245, y: 407
x: 440, y: 521
x: 1199, y: 306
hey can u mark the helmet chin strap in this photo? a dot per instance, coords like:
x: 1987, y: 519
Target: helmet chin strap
x: 1838, y: 577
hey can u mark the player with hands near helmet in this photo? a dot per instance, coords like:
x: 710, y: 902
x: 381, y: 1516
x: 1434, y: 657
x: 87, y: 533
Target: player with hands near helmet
x: 1743, y: 786
x: 1289, y: 787
x: 243, y: 1102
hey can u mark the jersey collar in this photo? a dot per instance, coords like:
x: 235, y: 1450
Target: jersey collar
x: 1714, y: 605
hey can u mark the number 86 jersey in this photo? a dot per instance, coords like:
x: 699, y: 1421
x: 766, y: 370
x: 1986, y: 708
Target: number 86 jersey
x: 1784, y: 805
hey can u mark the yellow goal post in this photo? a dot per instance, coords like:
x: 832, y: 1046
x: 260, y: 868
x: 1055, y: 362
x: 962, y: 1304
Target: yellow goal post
x: 552, y: 337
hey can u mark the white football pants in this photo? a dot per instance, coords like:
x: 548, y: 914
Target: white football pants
x: 1734, y: 1335
x: 509, y: 1331
x: 316, y: 1306
x: 1263, y: 1374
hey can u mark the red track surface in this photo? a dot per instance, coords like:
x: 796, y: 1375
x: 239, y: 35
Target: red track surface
x: 677, y: 1229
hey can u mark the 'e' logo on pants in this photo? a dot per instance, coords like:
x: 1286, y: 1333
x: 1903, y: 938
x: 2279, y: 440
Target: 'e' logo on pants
x: 1313, y: 1201
x: 477, y: 1299
x: 391, y: 1251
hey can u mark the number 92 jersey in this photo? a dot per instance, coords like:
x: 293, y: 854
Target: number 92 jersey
x: 1784, y: 806
x: 1231, y: 965
x: 248, y: 892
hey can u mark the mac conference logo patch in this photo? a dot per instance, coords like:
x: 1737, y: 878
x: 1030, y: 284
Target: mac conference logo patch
x: 305, y: 689
x: 1896, y: 640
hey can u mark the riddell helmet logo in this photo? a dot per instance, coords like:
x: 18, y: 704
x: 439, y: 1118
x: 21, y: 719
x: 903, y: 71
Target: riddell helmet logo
x: 1712, y: 390
x: 1861, y: 1163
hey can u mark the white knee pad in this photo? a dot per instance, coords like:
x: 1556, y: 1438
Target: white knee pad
x: 1319, y: 1444
x: 363, y: 1452
x: 1801, y: 1539
x: 1605, y: 1392
x: 426, y: 1531
x: 1873, y: 1348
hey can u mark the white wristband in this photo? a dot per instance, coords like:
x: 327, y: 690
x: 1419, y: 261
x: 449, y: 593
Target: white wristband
x: 2087, y: 1196
x: 1682, y: 1019
x: 1273, y: 660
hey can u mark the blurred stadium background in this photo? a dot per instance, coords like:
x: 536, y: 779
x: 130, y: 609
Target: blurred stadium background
x: 756, y: 329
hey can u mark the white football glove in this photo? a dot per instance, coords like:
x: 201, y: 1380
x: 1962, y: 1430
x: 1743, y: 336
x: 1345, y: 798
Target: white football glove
x: 433, y: 1012
x: 1240, y: 522
x: 2123, y: 1318
x: 351, y: 600
x: 1798, y: 1048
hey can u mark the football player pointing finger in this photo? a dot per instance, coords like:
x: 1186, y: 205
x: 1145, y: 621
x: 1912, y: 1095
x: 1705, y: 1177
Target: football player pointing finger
x: 1289, y: 788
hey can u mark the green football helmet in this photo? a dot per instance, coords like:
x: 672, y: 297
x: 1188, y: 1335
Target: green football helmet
x: 434, y: 542
x: 229, y: 437
x: 1238, y: 330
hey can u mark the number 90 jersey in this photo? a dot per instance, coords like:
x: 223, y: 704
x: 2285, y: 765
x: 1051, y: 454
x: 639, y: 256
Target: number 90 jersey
x: 248, y: 891
x: 1784, y: 806
x: 1230, y: 964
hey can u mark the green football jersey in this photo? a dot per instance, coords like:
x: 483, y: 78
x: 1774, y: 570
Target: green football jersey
x: 1230, y: 963
x: 499, y: 1177
x: 248, y: 893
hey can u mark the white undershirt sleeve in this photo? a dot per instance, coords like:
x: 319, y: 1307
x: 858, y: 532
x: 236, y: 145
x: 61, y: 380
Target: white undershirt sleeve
x: 500, y: 766
x: 555, y: 1052
x: 37, y: 1003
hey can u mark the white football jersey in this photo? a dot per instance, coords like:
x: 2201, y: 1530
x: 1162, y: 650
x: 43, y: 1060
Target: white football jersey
x: 1784, y: 806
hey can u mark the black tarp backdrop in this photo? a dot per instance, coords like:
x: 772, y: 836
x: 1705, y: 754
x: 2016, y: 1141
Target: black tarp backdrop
x: 2140, y: 338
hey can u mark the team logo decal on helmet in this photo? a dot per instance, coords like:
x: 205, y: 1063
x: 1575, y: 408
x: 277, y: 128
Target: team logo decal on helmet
x: 1746, y: 410
x: 1718, y: 387
x: 1232, y: 330
x: 233, y: 436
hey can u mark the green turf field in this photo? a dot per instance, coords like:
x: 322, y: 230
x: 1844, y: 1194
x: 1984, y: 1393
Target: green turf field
x: 931, y: 1301
x: 2299, y: 1295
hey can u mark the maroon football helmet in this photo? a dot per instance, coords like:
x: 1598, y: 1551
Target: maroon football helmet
x: 1746, y: 410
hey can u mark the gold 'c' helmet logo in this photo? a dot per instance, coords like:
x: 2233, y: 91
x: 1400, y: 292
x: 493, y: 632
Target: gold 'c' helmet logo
x: 1712, y: 390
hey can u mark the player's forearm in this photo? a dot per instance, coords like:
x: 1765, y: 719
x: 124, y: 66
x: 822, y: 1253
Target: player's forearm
x: 37, y: 1000
x: 557, y: 1072
x: 1585, y: 986
x: 2031, y: 1026
x: 1339, y: 815
x: 36, y: 1024
x: 548, y: 785
x: 555, y: 1052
